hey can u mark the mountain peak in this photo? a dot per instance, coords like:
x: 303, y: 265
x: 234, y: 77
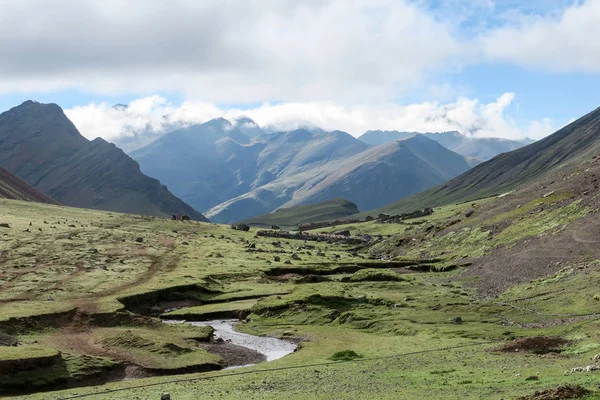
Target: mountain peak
x: 219, y: 122
x: 244, y: 120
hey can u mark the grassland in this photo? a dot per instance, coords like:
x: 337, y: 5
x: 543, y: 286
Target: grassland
x: 78, y: 286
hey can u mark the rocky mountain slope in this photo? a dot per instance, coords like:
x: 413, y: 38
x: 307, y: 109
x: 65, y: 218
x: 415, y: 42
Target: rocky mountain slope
x: 481, y: 149
x: 13, y: 188
x: 41, y: 146
x: 212, y: 163
x: 233, y: 175
x: 569, y: 146
x: 394, y: 170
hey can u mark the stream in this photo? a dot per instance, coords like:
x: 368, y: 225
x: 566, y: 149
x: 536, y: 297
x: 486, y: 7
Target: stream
x: 270, y: 347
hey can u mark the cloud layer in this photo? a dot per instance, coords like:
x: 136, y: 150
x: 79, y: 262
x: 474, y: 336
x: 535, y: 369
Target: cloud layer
x: 227, y: 51
x: 150, y: 117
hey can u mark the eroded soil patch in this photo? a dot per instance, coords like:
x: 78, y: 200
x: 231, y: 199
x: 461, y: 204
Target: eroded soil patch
x: 559, y: 393
x: 537, y: 345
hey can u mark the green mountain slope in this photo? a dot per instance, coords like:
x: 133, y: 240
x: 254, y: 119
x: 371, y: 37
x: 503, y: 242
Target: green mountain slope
x: 570, y: 145
x: 294, y: 216
x: 41, y: 146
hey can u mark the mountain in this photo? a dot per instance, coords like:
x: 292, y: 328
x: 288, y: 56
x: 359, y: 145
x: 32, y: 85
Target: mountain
x: 569, y: 146
x: 477, y: 148
x: 13, y: 188
x: 211, y: 163
x: 233, y: 174
x: 377, y: 137
x: 369, y: 178
x: 294, y: 216
x: 41, y: 146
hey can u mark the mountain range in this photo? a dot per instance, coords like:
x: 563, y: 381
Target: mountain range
x: 234, y: 170
x: 480, y: 149
x: 41, y: 146
x: 567, y: 147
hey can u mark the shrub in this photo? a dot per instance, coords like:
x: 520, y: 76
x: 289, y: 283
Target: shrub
x: 345, y: 355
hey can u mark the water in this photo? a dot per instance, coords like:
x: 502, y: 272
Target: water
x: 272, y: 348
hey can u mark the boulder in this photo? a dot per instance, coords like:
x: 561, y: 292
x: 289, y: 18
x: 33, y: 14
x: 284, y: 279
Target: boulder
x: 240, y: 227
x: 7, y: 340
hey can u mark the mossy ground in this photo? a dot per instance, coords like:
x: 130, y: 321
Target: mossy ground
x: 411, y: 321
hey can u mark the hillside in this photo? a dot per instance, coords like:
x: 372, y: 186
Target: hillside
x: 42, y: 147
x: 294, y: 216
x: 481, y: 149
x: 570, y: 145
x: 13, y: 188
x: 369, y: 179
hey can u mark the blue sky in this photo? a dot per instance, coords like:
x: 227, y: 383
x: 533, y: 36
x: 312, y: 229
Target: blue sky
x: 510, y: 68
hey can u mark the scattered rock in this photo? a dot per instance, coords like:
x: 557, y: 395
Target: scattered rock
x: 185, y: 243
x: 139, y: 239
x: 218, y: 255
x: 342, y: 233
x: 165, y: 396
x: 295, y: 257
x: 469, y: 212
x: 457, y: 321
x: 362, y: 299
x: 276, y: 259
x: 549, y: 194
x: 276, y: 227
x: 287, y: 262
x: 4, y: 225
x: 532, y: 378
x: 241, y: 227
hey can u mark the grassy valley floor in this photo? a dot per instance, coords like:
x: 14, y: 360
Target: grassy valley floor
x: 403, y: 317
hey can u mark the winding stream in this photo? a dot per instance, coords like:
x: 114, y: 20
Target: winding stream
x: 272, y: 348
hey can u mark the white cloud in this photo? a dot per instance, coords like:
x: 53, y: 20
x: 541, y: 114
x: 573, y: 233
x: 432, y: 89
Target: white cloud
x: 224, y: 50
x: 563, y: 42
x: 149, y: 117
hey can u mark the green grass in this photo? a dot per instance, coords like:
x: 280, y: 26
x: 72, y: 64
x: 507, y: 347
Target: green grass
x: 24, y: 353
x: 374, y: 312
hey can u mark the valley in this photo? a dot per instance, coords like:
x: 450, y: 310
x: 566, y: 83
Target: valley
x: 84, y: 292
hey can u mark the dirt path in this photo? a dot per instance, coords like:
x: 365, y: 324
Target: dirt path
x: 166, y: 262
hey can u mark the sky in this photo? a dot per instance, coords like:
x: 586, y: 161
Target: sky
x: 487, y: 68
